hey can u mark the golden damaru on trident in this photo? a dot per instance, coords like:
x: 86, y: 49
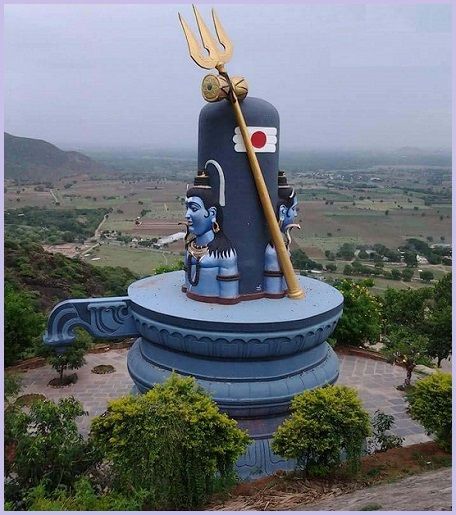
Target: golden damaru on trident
x: 222, y: 86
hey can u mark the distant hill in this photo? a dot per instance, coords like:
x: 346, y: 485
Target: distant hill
x: 307, y: 160
x: 33, y: 160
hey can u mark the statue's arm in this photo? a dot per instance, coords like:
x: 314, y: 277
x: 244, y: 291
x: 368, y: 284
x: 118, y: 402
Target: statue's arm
x: 271, y: 262
x: 228, y: 276
x: 273, y: 276
x: 187, y: 264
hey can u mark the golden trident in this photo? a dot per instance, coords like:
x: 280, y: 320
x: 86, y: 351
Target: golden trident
x: 217, y: 58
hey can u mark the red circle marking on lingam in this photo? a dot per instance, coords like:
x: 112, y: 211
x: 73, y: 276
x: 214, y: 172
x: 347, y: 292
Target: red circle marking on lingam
x: 258, y: 139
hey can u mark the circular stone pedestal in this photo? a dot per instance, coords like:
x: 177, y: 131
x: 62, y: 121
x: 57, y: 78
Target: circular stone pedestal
x: 252, y: 357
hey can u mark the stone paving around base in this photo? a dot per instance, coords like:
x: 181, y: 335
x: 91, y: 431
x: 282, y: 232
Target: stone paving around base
x: 375, y: 381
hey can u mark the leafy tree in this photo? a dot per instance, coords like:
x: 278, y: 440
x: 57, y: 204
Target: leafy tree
x: 346, y: 251
x: 434, y: 259
x: 393, y: 255
x: 361, y: 320
x: 438, y: 320
x: 405, y: 308
x: 407, y: 274
x: 395, y: 274
x: 70, y: 358
x: 410, y: 259
x: 426, y: 276
x: 331, y: 267
x: 407, y: 348
x: 23, y: 325
x: 430, y: 404
x: 348, y: 270
x: 357, y: 265
x: 301, y: 261
x: 172, y: 442
x: 48, y: 447
x: 323, y: 422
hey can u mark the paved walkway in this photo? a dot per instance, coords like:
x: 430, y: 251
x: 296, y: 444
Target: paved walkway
x: 430, y: 491
x: 375, y: 381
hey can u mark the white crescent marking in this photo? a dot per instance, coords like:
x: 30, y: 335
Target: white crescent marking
x: 222, y: 180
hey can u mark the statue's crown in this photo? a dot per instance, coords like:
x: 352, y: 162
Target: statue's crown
x: 282, y: 181
x: 202, y: 179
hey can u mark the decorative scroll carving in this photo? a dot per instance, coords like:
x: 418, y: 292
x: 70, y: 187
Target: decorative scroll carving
x: 106, y: 318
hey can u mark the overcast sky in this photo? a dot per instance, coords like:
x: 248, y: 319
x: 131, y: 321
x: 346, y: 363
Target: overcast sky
x: 342, y: 76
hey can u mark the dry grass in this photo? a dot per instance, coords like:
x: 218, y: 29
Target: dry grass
x: 288, y: 491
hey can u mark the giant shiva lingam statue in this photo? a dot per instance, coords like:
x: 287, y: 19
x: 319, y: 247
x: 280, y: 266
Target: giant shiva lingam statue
x: 236, y: 318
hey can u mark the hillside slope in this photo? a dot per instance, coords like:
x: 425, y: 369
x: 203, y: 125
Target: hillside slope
x: 54, y: 277
x: 35, y: 160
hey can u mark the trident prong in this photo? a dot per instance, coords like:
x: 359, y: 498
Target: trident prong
x: 216, y: 58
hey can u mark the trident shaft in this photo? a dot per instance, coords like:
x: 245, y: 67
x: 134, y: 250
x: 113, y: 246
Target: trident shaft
x: 217, y: 59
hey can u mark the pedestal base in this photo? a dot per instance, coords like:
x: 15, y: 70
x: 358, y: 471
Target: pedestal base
x: 252, y: 358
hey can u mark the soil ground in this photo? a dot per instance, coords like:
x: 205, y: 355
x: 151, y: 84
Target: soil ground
x: 432, y: 488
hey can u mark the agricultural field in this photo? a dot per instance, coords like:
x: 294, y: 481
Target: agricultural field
x: 383, y: 205
x: 142, y: 261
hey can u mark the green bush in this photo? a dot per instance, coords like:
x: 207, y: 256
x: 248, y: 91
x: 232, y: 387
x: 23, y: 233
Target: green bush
x: 172, y: 442
x: 23, y: 325
x: 382, y: 439
x: 48, y: 448
x: 83, y: 498
x: 324, y: 422
x: 430, y: 404
x: 11, y: 387
x: 163, y: 269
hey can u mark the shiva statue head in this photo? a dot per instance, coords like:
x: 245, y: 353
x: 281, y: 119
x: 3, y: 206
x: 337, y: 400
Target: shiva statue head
x: 203, y: 212
x: 274, y: 284
x: 211, y: 260
x: 287, y: 203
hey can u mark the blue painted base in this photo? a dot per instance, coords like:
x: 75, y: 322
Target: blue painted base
x: 253, y: 358
x: 260, y: 461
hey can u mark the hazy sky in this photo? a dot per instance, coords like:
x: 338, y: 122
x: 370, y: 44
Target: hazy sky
x: 342, y: 76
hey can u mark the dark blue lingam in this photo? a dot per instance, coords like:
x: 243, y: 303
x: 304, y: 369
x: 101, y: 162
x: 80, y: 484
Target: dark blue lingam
x: 225, y: 319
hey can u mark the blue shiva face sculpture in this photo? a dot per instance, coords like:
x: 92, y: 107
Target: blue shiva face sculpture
x: 287, y: 211
x: 200, y: 221
x: 211, y: 271
x: 287, y: 215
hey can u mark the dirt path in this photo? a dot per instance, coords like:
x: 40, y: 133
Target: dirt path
x: 98, y: 229
x: 424, y: 492
x: 56, y: 200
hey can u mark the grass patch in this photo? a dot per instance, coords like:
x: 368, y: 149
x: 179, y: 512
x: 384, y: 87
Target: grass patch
x: 140, y: 261
x: 373, y: 506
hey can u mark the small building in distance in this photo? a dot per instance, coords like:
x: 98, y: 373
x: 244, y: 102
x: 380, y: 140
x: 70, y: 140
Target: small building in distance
x: 421, y: 260
x: 166, y: 240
